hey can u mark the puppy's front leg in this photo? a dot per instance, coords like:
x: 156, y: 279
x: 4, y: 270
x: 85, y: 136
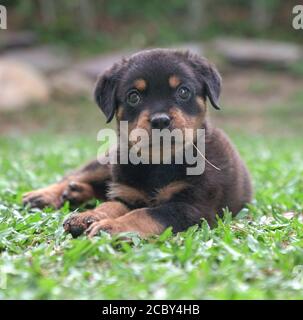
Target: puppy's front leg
x: 150, y: 221
x: 78, y: 187
x: 76, y: 224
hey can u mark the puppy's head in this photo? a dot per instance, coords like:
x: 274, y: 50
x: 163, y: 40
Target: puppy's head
x: 160, y: 88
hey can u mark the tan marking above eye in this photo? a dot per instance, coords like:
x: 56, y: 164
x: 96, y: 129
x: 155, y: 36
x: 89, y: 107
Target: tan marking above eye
x: 174, y: 81
x: 140, y: 84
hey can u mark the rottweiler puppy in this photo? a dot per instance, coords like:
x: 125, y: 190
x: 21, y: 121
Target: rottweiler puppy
x: 155, y: 89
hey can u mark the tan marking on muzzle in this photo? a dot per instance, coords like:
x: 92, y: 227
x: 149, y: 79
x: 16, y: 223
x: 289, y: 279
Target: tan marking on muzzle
x: 142, y: 122
x: 183, y: 121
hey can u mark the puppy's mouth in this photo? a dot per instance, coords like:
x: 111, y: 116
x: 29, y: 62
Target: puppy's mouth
x: 164, y: 138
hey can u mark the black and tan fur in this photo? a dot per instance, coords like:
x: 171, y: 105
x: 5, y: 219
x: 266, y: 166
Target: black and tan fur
x: 148, y: 198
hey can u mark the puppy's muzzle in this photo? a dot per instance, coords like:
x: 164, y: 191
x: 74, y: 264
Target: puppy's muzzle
x: 160, y: 121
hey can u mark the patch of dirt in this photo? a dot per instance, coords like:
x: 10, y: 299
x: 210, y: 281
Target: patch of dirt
x: 257, y: 89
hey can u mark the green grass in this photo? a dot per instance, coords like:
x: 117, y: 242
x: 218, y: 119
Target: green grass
x: 257, y: 255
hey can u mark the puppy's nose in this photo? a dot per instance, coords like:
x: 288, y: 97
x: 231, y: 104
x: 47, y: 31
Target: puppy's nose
x: 160, y: 121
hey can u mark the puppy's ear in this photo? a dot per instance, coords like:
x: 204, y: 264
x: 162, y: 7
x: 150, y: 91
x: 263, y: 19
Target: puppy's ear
x: 209, y: 76
x: 106, y: 89
x: 213, y: 82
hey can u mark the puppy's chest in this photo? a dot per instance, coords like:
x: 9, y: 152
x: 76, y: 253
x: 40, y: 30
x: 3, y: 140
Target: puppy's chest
x: 147, y: 185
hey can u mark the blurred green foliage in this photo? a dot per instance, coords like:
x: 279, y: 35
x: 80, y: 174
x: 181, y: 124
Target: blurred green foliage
x: 111, y: 24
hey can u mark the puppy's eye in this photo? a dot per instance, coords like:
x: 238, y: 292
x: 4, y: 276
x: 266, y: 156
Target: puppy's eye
x: 133, y: 98
x: 184, y: 93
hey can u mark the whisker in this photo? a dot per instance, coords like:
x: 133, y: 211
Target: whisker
x: 202, y: 155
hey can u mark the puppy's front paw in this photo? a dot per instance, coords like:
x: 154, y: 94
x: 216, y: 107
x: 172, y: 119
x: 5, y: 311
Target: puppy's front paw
x: 76, y: 224
x: 109, y: 225
x: 77, y: 193
x: 46, y: 197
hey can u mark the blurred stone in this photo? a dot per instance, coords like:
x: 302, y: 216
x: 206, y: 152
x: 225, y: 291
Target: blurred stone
x: 20, y: 85
x: 254, y: 52
x: 12, y: 40
x: 97, y: 65
x: 46, y: 59
x: 71, y: 83
x: 289, y: 215
x: 193, y: 47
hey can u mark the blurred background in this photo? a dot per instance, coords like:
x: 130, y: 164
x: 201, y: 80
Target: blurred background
x: 53, y: 51
x: 50, y: 57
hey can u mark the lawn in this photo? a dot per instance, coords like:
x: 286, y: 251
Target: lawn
x: 257, y: 255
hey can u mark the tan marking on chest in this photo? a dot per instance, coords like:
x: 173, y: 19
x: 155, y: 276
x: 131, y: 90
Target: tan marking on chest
x: 128, y: 194
x: 166, y: 193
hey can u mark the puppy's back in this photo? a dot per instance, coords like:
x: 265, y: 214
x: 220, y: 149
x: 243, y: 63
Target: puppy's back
x: 233, y: 179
